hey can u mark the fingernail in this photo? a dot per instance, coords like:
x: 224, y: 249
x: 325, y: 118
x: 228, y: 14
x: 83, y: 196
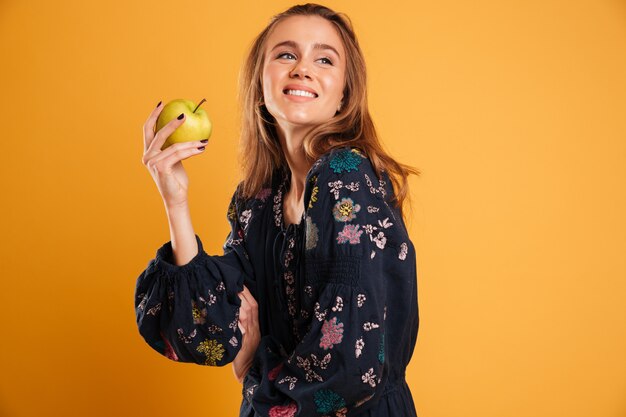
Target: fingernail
x: 159, y: 103
x: 204, y: 140
x: 181, y: 116
x: 201, y: 148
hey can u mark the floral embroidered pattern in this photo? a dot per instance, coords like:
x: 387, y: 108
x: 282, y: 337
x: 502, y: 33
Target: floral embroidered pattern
x: 353, y: 186
x: 350, y: 234
x: 403, y: 251
x: 338, y: 304
x: 358, y: 347
x: 186, y: 339
x: 273, y: 374
x: 245, y: 218
x: 345, y: 210
x: 154, y: 310
x: 313, y: 198
x: 213, y: 350
x: 369, y: 378
x: 328, y: 401
x: 263, y: 194
x: 381, y: 350
x: 284, y: 410
x: 308, y: 364
x: 312, y: 234
x: 320, y: 315
x: 292, y: 381
x: 345, y: 161
x: 199, y: 316
x: 360, y: 300
x: 367, y: 326
x: 211, y: 299
x: 332, y: 333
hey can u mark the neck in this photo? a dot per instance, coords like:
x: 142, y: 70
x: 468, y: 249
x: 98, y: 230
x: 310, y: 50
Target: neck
x: 292, y: 144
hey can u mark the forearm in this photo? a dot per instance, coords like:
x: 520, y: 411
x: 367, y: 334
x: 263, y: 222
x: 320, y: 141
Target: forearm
x: 183, y: 237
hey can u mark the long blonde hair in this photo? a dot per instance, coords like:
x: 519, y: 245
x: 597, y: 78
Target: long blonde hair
x: 261, y: 153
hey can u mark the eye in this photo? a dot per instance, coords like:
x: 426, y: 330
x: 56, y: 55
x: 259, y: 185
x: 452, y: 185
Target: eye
x: 327, y: 59
x: 283, y: 54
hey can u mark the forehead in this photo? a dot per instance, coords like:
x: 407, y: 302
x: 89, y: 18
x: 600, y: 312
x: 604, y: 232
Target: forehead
x: 305, y: 31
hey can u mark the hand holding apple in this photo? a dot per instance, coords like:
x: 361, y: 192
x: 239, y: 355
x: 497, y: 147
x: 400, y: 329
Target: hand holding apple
x: 197, y: 125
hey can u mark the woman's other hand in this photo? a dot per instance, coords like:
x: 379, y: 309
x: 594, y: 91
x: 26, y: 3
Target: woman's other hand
x: 249, y: 326
x: 165, y: 165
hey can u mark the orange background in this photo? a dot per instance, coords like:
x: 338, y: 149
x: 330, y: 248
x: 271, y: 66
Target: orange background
x: 514, y: 111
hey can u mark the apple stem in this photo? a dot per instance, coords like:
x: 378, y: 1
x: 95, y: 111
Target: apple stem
x: 203, y: 100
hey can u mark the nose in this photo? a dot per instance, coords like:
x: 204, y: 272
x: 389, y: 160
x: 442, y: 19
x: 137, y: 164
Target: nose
x: 300, y: 70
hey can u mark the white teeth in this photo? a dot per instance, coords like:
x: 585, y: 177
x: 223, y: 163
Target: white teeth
x: 300, y: 93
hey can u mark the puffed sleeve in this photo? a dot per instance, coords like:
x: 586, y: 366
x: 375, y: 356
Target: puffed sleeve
x: 354, y: 246
x: 189, y: 313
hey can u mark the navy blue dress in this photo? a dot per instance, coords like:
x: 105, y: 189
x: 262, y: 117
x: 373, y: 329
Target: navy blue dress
x: 337, y: 296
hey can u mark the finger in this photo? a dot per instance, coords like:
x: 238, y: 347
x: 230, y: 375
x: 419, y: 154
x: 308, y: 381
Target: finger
x: 149, y: 126
x: 249, y: 297
x: 164, y: 133
x: 178, y: 147
x: 164, y: 164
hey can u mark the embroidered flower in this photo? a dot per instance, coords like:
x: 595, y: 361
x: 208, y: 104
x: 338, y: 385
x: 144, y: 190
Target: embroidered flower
x: 350, y: 234
x: 380, y: 240
x: 273, y: 374
x: 335, y: 187
x: 345, y: 161
x: 186, y: 339
x: 403, y: 251
x: 292, y: 381
x: 360, y: 299
x: 284, y: 410
x: 385, y: 224
x: 353, y: 186
x: 312, y: 234
x: 199, y: 316
x: 328, y: 401
x: 381, y: 350
x: 369, y: 326
x: 332, y: 333
x: 338, y: 304
x: 358, y: 347
x: 154, y: 310
x: 313, y: 198
x: 213, y: 350
x: 369, y: 378
x: 231, y: 214
x: 345, y: 210
x: 372, y: 209
x: 263, y: 194
x: 245, y: 218
x: 320, y: 315
x: 233, y: 341
x: 310, y: 362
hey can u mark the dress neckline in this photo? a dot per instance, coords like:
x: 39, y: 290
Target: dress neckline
x: 279, y: 213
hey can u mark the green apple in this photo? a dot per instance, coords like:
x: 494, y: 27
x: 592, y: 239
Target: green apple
x: 197, y: 125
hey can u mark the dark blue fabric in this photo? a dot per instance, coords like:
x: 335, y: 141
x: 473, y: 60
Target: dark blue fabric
x: 337, y: 296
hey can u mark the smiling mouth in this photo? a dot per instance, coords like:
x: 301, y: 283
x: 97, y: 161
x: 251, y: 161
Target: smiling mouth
x: 299, y: 93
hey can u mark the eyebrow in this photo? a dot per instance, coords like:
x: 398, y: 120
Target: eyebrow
x: 315, y: 46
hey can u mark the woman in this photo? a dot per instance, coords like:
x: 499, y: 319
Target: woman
x: 314, y: 301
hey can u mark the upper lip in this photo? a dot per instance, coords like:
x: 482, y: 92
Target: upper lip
x: 299, y: 87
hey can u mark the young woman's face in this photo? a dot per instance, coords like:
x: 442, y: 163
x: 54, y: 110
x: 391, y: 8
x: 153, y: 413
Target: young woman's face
x: 304, y: 71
